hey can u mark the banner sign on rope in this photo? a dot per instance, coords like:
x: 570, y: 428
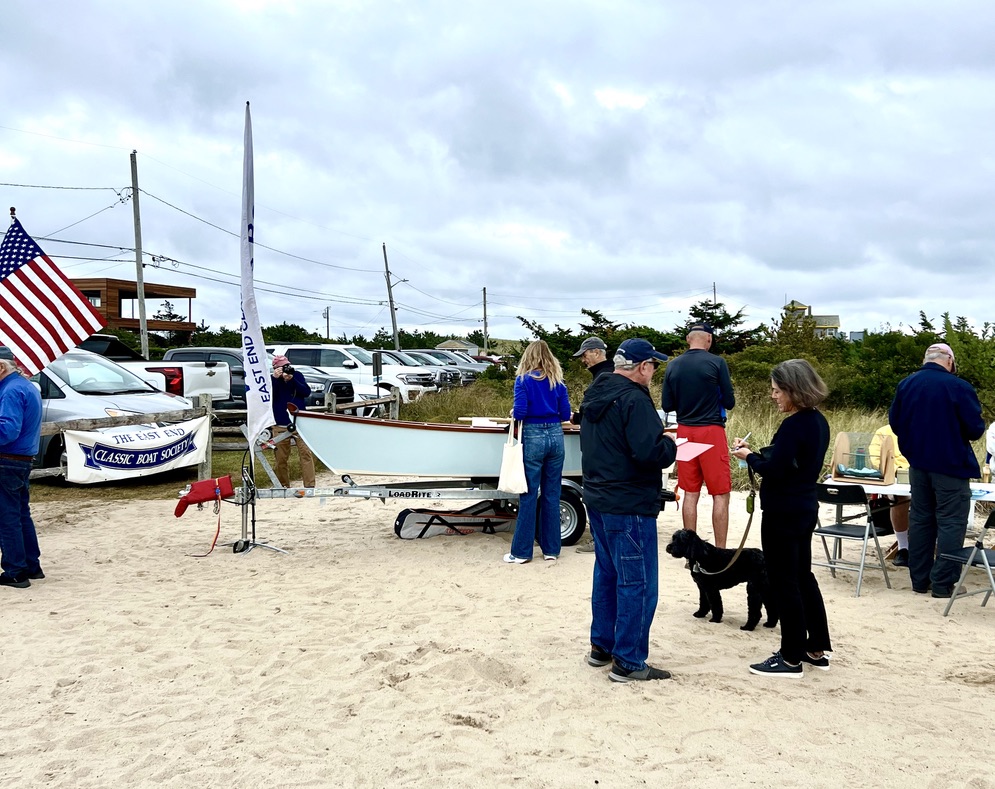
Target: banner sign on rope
x: 134, y: 451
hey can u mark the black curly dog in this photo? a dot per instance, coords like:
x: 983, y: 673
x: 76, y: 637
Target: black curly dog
x: 749, y: 569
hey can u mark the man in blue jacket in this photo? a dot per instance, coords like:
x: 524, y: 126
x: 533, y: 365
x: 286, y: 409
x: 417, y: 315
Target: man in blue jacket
x: 936, y: 416
x: 623, y: 451
x: 20, y: 431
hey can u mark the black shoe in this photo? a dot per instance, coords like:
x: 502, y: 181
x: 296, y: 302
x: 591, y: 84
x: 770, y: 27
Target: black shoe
x: 917, y: 590
x: 598, y: 657
x: 901, y: 558
x: 944, y: 593
x: 774, y: 666
x: 19, y: 581
x: 37, y: 575
x: 619, y: 674
x: 816, y: 662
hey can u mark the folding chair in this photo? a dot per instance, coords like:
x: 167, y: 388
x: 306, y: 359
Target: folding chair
x: 858, y: 526
x: 978, y: 556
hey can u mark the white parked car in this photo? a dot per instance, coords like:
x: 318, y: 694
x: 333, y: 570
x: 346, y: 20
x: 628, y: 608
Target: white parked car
x: 84, y: 385
x: 356, y: 364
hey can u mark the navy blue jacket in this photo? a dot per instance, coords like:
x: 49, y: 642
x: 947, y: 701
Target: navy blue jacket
x: 623, y: 448
x: 284, y: 392
x: 936, y: 416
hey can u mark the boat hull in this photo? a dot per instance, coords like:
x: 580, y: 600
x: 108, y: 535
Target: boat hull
x: 357, y: 445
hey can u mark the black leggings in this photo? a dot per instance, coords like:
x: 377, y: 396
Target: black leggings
x: 787, y: 544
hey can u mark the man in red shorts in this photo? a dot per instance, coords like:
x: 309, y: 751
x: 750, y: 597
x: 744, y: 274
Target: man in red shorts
x: 697, y: 386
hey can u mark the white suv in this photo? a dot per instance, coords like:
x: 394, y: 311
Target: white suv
x: 356, y: 364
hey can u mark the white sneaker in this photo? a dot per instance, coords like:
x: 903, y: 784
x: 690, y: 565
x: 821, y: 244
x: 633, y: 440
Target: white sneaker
x: 549, y: 557
x: 515, y: 560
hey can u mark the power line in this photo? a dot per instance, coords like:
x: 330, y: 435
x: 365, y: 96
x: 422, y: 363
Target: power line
x: 257, y: 243
x: 121, y: 201
x: 602, y: 294
x: 70, y: 188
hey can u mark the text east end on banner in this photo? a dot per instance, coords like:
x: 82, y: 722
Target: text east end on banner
x: 134, y: 451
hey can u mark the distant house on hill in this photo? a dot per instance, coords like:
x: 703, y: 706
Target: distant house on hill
x: 825, y: 325
x: 459, y: 345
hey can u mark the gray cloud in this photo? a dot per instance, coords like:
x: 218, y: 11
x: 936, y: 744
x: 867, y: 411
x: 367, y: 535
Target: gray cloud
x: 564, y: 156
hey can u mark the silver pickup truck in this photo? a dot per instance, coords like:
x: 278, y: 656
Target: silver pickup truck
x: 186, y: 379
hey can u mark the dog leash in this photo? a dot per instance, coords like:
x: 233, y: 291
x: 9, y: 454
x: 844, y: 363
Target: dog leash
x: 751, y: 500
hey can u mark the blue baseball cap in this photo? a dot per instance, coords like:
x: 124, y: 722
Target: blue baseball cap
x: 638, y: 350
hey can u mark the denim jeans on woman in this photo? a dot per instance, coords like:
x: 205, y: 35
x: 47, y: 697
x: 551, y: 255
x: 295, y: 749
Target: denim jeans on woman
x: 542, y: 446
x: 626, y: 585
x: 18, y: 540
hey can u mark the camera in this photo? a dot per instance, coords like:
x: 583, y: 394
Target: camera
x: 288, y: 369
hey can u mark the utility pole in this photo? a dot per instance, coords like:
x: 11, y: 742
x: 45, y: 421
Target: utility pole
x: 714, y: 298
x: 485, y: 321
x: 325, y: 314
x: 390, y: 299
x: 143, y: 327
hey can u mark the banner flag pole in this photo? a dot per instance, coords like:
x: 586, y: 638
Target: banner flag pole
x: 257, y: 369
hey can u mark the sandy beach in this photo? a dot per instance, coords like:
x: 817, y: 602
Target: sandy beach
x: 359, y: 659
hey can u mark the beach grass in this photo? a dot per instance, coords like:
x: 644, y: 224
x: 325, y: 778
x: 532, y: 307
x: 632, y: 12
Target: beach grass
x: 756, y: 416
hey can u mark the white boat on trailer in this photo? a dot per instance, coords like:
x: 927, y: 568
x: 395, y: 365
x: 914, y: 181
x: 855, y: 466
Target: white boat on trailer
x: 449, y: 461
x: 392, y: 448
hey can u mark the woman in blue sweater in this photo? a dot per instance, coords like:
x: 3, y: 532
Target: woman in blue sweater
x: 542, y: 405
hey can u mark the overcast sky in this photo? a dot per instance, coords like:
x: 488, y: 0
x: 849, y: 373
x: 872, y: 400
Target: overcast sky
x: 618, y: 156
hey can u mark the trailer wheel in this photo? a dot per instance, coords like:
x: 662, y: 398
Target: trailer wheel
x: 573, y: 516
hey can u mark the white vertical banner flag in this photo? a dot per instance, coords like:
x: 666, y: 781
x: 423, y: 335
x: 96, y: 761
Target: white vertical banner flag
x: 257, y: 370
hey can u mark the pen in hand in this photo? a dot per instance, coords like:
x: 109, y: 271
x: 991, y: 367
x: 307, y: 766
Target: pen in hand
x: 739, y: 445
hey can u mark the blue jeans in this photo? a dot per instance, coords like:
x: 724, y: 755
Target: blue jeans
x: 937, y: 524
x: 542, y: 446
x: 18, y: 541
x: 626, y: 581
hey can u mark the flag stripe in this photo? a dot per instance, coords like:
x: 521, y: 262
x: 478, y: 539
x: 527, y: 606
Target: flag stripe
x: 42, y: 314
x: 18, y: 315
x: 47, y: 284
x: 26, y: 346
x: 34, y: 304
x: 72, y: 298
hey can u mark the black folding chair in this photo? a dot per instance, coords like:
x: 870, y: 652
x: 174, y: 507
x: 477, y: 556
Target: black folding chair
x: 977, y: 556
x: 857, y: 527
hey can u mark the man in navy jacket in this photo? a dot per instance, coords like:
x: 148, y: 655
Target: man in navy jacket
x: 623, y: 451
x: 936, y: 416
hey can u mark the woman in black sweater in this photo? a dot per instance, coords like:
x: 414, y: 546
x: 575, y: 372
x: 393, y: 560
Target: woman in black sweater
x: 790, y: 469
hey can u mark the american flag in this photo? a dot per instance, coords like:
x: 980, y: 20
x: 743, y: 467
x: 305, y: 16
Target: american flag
x: 42, y: 314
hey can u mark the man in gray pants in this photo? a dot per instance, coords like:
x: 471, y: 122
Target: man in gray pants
x: 935, y: 416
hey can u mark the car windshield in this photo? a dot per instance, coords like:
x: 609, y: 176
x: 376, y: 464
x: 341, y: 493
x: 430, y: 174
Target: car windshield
x: 464, y: 357
x: 402, y: 358
x: 361, y: 354
x: 307, y: 370
x: 425, y: 359
x: 91, y: 374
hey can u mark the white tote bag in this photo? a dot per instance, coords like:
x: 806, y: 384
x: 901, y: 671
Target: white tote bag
x: 512, y: 478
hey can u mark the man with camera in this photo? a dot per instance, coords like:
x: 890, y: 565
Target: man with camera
x: 289, y: 386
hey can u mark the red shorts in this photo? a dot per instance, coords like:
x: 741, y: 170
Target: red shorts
x: 711, y: 467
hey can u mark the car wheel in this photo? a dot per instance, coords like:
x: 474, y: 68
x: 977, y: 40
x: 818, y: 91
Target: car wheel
x: 573, y: 516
